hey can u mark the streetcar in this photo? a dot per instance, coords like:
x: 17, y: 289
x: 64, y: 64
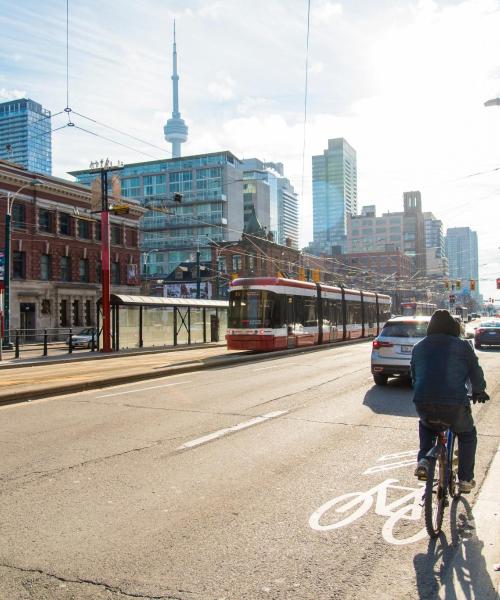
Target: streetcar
x: 417, y: 309
x: 272, y: 313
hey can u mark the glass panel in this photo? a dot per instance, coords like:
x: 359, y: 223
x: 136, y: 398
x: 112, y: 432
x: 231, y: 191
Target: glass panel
x: 222, y: 314
x: 129, y: 326
x: 182, y: 333
x: 197, y: 326
x: 155, y: 324
x: 210, y: 312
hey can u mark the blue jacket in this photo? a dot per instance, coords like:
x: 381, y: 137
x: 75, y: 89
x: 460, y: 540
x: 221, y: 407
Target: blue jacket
x: 440, y: 367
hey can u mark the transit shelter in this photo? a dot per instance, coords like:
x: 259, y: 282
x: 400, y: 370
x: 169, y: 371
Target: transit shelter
x: 150, y: 321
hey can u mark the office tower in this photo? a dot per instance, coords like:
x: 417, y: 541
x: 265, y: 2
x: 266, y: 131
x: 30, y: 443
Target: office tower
x: 334, y: 195
x: 25, y: 138
x: 434, y: 237
x: 462, y: 253
x: 175, y: 130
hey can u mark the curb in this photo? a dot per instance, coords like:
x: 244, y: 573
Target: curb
x: 61, y: 390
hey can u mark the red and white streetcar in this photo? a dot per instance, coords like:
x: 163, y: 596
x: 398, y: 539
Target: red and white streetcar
x: 272, y: 313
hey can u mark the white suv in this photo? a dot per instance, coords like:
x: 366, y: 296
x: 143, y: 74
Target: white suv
x: 391, y: 351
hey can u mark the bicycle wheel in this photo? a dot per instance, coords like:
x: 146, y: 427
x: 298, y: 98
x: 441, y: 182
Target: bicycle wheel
x: 453, y: 457
x: 435, y: 495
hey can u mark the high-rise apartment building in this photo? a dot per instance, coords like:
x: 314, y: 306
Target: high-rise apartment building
x: 462, y: 253
x: 267, y: 191
x: 25, y: 138
x: 335, y: 195
x: 211, y: 209
x: 434, y: 237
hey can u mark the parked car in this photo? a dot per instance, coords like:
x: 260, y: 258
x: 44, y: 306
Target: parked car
x: 487, y: 333
x: 392, y: 348
x: 83, y: 339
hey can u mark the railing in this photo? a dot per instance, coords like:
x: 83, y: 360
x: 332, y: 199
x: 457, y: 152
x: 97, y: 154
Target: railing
x: 45, y: 342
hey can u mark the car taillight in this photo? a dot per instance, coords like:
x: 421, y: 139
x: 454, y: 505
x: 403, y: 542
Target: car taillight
x: 480, y: 331
x: 378, y: 344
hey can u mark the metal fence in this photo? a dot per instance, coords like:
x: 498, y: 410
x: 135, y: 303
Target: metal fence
x: 42, y: 342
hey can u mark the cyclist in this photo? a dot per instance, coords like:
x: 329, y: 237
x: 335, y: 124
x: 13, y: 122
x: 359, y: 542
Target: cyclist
x: 441, y: 365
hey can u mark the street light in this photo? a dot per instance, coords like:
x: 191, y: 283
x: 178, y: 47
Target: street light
x: 493, y: 102
x: 6, y: 276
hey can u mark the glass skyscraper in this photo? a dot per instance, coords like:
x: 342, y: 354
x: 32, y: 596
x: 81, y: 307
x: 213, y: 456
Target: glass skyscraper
x: 25, y: 137
x: 462, y: 253
x: 335, y: 195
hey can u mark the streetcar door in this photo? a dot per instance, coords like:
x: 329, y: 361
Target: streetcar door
x: 290, y: 322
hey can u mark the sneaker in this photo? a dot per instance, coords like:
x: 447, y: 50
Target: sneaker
x: 422, y: 469
x: 465, y: 487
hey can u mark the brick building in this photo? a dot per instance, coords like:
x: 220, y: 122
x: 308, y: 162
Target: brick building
x: 56, y: 250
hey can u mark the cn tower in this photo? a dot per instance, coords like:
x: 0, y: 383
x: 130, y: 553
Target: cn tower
x: 175, y: 130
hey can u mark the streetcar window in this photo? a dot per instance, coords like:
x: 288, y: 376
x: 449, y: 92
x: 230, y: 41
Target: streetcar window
x: 254, y: 308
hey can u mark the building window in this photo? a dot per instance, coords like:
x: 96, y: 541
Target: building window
x: 116, y: 234
x: 77, y: 319
x: 19, y: 216
x: 251, y: 262
x: 98, y: 231
x: 88, y: 313
x: 64, y: 224
x: 19, y: 265
x: 221, y: 264
x: 63, y: 313
x: 115, y: 273
x: 98, y: 271
x: 44, y: 220
x: 83, y: 270
x: 65, y: 268
x: 83, y: 229
x: 45, y: 267
x: 236, y: 262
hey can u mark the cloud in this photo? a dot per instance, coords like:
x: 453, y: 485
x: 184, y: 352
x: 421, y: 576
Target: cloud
x: 6, y: 94
x: 326, y: 12
x: 222, y: 89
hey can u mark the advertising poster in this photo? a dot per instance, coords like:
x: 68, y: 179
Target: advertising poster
x: 187, y: 290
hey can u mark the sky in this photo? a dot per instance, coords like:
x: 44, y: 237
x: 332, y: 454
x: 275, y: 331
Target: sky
x: 403, y: 81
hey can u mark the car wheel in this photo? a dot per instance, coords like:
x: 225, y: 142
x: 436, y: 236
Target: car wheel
x: 380, y: 379
x: 477, y: 345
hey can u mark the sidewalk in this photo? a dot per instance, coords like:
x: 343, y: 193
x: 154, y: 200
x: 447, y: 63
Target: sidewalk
x: 30, y: 379
x: 471, y: 575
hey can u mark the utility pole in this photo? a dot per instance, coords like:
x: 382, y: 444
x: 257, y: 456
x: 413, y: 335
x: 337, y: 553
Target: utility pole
x: 103, y: 170
x: 198, y: 275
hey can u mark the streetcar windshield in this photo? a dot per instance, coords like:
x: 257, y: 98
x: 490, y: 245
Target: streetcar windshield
x: 251, y: 308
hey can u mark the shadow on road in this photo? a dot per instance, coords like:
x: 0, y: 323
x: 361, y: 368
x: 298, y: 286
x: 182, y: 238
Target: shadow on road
x: 395, y: 398
x: 456, y: 569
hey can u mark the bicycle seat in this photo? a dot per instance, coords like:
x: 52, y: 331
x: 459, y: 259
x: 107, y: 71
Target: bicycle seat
x: 437, y: 424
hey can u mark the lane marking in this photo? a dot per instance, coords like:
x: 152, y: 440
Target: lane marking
x: 221, y: 432
x: 154, y: 387
x: 275, y: 366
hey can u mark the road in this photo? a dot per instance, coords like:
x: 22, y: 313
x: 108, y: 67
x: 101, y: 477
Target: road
x: 215, y: 485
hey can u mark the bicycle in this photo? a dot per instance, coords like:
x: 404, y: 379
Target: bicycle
x: 446, y: 482
x: 442, y: 483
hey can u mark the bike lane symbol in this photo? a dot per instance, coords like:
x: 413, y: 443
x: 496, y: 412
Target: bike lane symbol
x: 354, y: 505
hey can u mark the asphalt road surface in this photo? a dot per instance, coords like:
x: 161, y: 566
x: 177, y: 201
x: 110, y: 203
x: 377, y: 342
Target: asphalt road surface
x: 239, y: 483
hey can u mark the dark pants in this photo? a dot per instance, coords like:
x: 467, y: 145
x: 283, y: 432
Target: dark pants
x: 459, y: 417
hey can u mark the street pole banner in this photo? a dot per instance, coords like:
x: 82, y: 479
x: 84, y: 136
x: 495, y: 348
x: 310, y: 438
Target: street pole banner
x: 2, y: 266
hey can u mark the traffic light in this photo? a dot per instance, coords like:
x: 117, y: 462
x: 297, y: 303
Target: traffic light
x: 177, y: 197
x: 316, y: 275
x: 498, y: 283
x: 452, y: 298
x: 458, y: 284
x: 472, y: 284
x: 446, y: 285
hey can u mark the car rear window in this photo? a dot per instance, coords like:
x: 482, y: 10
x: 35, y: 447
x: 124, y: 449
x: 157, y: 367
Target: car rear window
x: 489, y: 324
x: 406, y: 330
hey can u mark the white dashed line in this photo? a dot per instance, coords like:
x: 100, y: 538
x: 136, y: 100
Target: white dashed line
x: 221, y: 432
x: 154, y: 387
